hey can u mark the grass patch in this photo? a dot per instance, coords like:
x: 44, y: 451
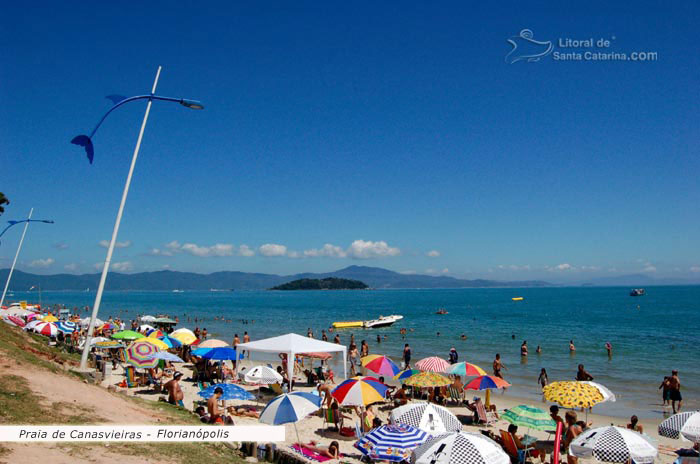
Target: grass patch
x: 32, y: 349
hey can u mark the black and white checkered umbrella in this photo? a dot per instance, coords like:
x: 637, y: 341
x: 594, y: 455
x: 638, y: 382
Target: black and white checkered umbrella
x: 428, y: 417
x: 613, y: 444
x: 683, y: 424
x: 262, y: 375
x: 460, y: 448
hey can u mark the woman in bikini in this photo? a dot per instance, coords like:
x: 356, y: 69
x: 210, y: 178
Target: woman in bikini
x: 333, y: 450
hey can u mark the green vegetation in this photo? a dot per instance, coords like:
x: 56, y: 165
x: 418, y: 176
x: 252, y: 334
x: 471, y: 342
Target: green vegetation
x: 3, y: 201
x: 329, y: 283
x: 33, y: 349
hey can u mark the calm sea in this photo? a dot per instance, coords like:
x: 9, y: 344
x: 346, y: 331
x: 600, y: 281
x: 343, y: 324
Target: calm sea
x: 650, y: 335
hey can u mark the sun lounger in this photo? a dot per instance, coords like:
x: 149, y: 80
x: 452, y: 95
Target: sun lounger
x: 487, y: 418
x: 455, y: 394
x: 516, y: 455
x: 130, y: 377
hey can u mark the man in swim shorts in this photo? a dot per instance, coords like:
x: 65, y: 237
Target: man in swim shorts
x: 674, y: 387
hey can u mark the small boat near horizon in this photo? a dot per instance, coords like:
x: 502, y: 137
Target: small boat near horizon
x: 442, y: 311
x: 177, y: 290
x: 638, y: 292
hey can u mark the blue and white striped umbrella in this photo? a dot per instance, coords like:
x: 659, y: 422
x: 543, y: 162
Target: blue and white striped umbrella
x: 166, y: 356
x: 391, y: 442
x: 67, y: 326
x: 290, y: 407
x: 231, y: 392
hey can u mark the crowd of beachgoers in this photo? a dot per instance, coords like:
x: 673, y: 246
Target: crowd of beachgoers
x: 415, y: 407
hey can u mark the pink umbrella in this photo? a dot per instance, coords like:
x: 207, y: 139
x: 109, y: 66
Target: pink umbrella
x: 432, y: 364
x: 213, y: 343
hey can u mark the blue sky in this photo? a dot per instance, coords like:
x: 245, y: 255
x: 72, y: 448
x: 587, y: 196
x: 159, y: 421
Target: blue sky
x: 385, y: 131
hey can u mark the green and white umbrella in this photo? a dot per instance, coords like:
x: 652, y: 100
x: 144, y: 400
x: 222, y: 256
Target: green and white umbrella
x: 529, y: 417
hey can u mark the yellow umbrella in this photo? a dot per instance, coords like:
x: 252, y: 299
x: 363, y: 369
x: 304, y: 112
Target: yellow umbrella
x: 154, y: 341
x: 428, y: 379
x: 184, y: 338
x: 49, y: 318
x: 572, y: 394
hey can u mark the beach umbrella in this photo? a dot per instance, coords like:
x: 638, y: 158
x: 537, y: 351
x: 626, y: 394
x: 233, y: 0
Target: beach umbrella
x: 201, y: 351
x: 49, y: 318
x: 183, y: 330
x: 86, y: 322
x: 683, y: 424
x: 164, y: 320
x: 290, y: 407
x: 465, y: 369
x: 171, y: 342
x: 460, y: 448
x: 46, y: 328
x: 108, y: 326
x: 428, y: 379
x: 16, y: 321
x: 428, y: 417
x: 393, y: 443
x: 604, y: 391
x: 32, y: 316
x: 154, y: 333
x: 262, y: 375
x: 108, y: 344
x: 67, y: 326
x: 184, y: 337
x: 231, y: 392
x: 220, y: 354
x: 359, y: 391
x: 213, y: 343
x: 165, y: 356
x: 140, y: 354
x: 31, y: 324
x: 147, y: 318
x: 154, y: 341
x: 145, y: 328
x: 529, y: 417
x: 572, y: 394
x: 406, y: 374
x: 613, y: 444
x: 127, y: 335
x: 17, y: 312
x: 96, y: 340
x: 433, y: 364
x: 381, y: 365
x: 486, y: 382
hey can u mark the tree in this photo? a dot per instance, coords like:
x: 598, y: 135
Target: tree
x: 3, y: 201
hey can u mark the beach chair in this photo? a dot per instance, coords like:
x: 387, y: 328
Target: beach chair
x: 276, y: 388
x: 130, y: 377
x: 332, y: 416
x: 455, y: 394
x: 487, y: 418
x: 517, y: 456
x: 358, y: 430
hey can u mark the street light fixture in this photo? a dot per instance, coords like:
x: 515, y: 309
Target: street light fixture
x: 19, y: 247
x: 86, y: 142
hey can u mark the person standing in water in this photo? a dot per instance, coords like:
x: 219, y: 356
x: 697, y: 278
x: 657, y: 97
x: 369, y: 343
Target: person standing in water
x: 572, y: 348
x: 608, y: 348
x: 407, y: 356
x: 543, y: 380
x: 497, y: 366
x: 582, y: 374
x: 674, y: 388
x: 523, y: 348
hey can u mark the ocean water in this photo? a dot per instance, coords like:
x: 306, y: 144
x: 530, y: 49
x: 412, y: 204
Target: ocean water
x: 651, y: 335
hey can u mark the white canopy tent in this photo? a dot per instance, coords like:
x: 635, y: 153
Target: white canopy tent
x: 293, y: 344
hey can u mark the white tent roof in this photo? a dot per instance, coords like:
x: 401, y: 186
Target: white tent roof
x: 293, y: 344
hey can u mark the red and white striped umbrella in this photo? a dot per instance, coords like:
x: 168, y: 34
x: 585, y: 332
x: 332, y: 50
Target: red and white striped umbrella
x: 46, y: 328
x: 432, y: 364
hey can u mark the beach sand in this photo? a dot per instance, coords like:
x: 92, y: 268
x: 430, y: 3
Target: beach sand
x: 311, y: 428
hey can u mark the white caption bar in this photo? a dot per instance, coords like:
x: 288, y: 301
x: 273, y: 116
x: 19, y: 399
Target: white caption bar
x: 107, y: 433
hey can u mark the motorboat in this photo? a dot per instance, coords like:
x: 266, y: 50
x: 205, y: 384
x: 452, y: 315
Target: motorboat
x: 382, y: 321
x: 442, y: 311
x: 637, y: 292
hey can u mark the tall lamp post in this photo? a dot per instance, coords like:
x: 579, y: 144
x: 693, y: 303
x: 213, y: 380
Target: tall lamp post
x: 86, y: 142
x: 19, y: 247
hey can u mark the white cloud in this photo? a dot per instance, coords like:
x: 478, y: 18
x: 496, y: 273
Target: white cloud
x: 433, y: 254
x: 294, y: 254
x: 590, y: 268
x: 125, y: 244
x: 174, y: 246
x: 649, y: 268
x: 361, y: 249
x: 694, y: 268
x: 514, y: 267
x: 273, y: 249
x: 123, y: 266
x: 71, y: 267
x: 437, y: 272
x: 409, y: 272
x: 329, y: 250
x: 220, y: 249
x: 245, y: 250
x: 563, y: 267
x: 42, y: 263
x: 159, y: 252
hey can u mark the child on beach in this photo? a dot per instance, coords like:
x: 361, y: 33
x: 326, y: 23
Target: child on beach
x: 543, y: 380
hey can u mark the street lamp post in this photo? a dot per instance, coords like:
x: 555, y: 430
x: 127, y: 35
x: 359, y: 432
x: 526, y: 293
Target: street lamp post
x: 19, y: 247
x: 86, y: 142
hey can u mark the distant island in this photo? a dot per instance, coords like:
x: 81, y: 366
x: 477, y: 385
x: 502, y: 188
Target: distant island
x: 329, y: 283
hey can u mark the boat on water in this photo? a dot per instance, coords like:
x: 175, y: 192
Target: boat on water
x: 381, y: 321
x: 638, y: 292
x: 177, y: 290
x: 517, y: 298
x: 442, y: 311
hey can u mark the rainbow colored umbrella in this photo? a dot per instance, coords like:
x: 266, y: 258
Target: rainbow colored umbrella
x: 465, y: 369
x: 403, y: 375
x: 359, y: 391
x: 140, y: 354
x: 155, y: 333
x: 381, y: 365
x: 486, y: 382
x: 433, y: 364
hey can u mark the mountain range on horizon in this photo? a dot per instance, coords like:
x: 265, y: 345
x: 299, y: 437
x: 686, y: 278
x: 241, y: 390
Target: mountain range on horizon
x: 375, y: 277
